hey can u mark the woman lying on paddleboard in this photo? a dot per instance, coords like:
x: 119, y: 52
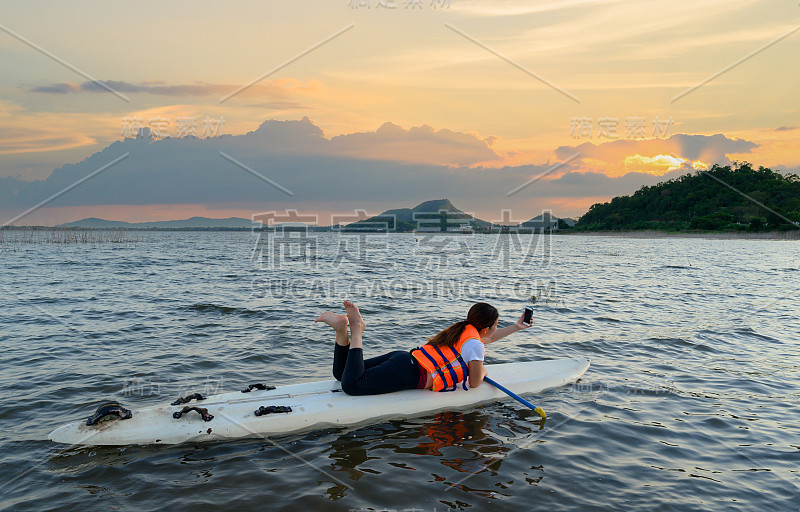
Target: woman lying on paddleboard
x: 452, y: 358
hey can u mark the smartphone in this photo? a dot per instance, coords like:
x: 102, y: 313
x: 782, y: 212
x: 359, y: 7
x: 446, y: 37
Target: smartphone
x: 527, y: 315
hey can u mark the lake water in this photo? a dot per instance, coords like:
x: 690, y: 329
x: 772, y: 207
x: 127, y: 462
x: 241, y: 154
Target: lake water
x: 691, y: 401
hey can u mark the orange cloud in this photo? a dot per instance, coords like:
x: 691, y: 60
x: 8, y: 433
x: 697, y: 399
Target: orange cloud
x: 656, y: 156
x: 659, y: 165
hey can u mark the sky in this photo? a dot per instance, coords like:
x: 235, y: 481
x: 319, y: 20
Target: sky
x: 327, y: 107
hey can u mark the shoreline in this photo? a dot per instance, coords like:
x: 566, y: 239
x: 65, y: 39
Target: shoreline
x: 652, y: 234
x: 643, y: 234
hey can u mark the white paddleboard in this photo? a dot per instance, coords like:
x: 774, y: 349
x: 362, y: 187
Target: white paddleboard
x: 313, y: 405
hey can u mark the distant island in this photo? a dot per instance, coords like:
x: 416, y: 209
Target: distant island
x: 231, y: 223
x: 437, y: 215
x: 729, y: 198
x: 441, y: 215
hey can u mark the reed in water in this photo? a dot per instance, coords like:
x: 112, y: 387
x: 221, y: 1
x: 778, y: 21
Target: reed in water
x: 11, y: 237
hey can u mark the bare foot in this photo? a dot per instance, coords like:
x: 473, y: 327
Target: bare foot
x: 357, y: 324
x: 338, y: 322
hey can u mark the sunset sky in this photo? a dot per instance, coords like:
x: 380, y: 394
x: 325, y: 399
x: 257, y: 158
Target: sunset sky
x: 485, y: 90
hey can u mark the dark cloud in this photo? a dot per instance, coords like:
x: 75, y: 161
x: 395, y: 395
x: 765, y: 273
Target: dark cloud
x: 60, y: 88
x: 294, y: 154
x: 151, y: 87
x: 420, y: 144
x: 297, y: 156
x: 712, y: 149
x: 158, y: 87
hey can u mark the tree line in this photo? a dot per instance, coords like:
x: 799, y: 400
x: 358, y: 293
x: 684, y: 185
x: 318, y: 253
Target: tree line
x: 723, y: 198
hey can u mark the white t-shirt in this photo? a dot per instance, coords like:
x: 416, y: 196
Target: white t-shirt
x: 472, y: 350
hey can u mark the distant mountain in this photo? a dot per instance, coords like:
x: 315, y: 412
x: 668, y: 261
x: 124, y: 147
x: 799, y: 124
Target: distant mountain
x: 192, y: 223
x: 436, y: 215
x: 95, y: 223
x: 546, y: 220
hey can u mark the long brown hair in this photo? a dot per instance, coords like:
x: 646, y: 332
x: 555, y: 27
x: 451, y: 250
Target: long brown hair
x: 481, y: 315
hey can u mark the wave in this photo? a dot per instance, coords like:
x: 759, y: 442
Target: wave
x: 224, y: 310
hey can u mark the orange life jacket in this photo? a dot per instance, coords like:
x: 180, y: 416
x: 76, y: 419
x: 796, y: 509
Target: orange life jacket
x: 445, y: 363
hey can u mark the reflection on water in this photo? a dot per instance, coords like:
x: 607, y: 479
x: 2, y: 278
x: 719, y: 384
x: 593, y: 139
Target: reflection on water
x: 465, y: 443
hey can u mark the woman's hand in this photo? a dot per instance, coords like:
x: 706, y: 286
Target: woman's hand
x: 522, y: 325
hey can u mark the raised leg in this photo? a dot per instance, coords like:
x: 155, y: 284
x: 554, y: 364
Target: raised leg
x: 339, y: 325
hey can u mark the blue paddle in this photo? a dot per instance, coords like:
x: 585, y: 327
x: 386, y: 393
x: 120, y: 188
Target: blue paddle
x: 537, y: 410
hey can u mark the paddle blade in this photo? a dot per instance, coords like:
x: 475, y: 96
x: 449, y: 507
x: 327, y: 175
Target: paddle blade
x: 540, y: 412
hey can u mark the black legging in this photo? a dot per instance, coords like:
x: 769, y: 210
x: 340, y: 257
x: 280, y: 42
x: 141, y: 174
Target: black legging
x: 383, y: 374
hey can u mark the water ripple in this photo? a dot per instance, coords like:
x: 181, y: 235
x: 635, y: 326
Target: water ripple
x: 690, y: 403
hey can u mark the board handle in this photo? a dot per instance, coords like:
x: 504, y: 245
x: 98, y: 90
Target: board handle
x: 108, y: 409
x: 261, y: 411
x: 182, y: 400
x: 258, y: 386
x: 203, y: 413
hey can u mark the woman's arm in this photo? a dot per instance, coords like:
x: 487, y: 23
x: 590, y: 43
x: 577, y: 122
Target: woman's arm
x: 505, y: 331
x: 476, y: 373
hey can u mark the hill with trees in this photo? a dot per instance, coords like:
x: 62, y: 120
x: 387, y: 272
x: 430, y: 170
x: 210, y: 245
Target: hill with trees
x: 433, y: 215
x: 441, y: 215
x: 729, y: 198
